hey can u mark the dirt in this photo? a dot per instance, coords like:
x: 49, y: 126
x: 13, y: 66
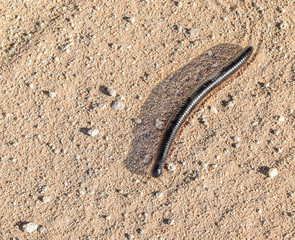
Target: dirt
x: 57, y: 59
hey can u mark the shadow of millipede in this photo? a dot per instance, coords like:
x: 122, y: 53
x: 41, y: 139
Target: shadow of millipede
x: 165, y: 98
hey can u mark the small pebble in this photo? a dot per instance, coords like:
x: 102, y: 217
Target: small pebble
x: 111, y: 91
x: 255, y: 124
x: 281, y: 119
x: 129, y: 236
x: 137, y: 120
x: 119, y: 106
x: 171, y: 167
x: 279, y: 150
x: 41, y: 229
x: 158, y: 194
x: 272, y: 172
x: 237, y: 139
x: 178, y: 4
x: 29, y: 227
x: 139, y: 97
x: 92, y: 132
x: 224, y: 18
x: 51, y: 94
x: 45, y: 199
x: 129, y: 19
x: 169, y: 221
x: 276, y: 132
x: 140, y: 231
x: 236, y: 145
x: 91, y: 192
x: 214, y: 110
x: 203, y: 165
x: 81, y: 192
x: 210, y: 53
x: 101, y: 106
x: 192, y: 32
x: 121, y: 97
x: 230, y: 104
x: 159, y: 124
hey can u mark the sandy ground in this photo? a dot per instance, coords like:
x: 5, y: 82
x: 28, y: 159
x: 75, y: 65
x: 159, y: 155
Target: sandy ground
x: 56, y: 60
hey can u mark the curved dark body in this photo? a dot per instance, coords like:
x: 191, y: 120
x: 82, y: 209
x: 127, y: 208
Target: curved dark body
x: 196, y: 97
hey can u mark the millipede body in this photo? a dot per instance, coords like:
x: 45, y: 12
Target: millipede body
x: 194, y: 99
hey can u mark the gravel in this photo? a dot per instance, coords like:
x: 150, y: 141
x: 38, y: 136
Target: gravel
x: 41, y: 229
x: 158, y: 194
x: 129, y: 236
x: 210, y: 53
x: 111, y: 91
x: 129, y: 19
x: 272, y: 172
x: 51, y: 94
x: 29, y: 227
x: 237, y: 139
x: 159, y: 124
x: 121, y: 97
x: 119, y: 106
x: 171, y: 167
x: 45, y: 199
x: 92, y: 132
x: 169, y: 221
x: 101, y: 106
x: 137, y: 120
x: 214, y: 110
x: 281, y: 119
x: 236, y: 145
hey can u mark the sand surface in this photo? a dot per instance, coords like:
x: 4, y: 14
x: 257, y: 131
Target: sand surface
x: 57, y: 59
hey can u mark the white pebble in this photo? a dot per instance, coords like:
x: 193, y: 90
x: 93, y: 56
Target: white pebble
x: 230, y: 104
x: 45, y: 199
x: 137, y: 120
x: 276, y: 132
x: 29, y: 227
x: 129, y: 19
x: 214, y: 110
x: 159, y: 124
x: 210, y: 53
x: 158, y: 194
x: 236, y: 145
x: 129, y: 236
x: 237, y: 139
x: 81, y: 192
x: 119, y: 106
x: 272, y: 172
x: 41, y: 229
x: 121, y: 97
x: 92, y: 132
x: 171, y: 167
x: 101, y: 106
x: 51, y: 94
x: 281, y: 119
x: 111, y: 91
x: 255, y: 124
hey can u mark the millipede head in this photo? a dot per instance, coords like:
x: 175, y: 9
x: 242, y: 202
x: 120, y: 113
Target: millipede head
x: 156, y: 171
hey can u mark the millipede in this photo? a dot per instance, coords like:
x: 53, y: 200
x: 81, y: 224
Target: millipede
x: 193, y: 100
